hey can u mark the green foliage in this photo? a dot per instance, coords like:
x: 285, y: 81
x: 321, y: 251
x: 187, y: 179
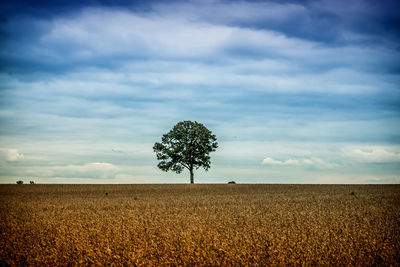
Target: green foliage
x: 187, y: 145
x: 20, y: 182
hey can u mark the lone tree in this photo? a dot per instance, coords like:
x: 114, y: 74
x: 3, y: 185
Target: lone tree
x: 187, y: 145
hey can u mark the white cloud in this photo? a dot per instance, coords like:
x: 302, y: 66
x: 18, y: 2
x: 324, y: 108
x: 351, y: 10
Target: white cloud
x: 270, y: 161
x: 102, y: 165
x: 315, y: 162
x: 373, y: 154
x: 14, y: 155
x: 118, y: 37
x: 94, y: 166
x: 232, y: 12
x: 101, y: 170
x: 97, y: 32
x: 289, y: 162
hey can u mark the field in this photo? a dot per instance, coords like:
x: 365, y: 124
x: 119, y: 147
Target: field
x: 200, y: 225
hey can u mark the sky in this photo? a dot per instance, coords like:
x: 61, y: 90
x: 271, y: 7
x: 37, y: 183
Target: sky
x: 295, y: 91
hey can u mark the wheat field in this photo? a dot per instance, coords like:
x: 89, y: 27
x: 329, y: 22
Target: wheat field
x: 214, y: 225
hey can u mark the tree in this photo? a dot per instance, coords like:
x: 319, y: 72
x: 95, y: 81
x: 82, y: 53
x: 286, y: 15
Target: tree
x: 187, y: 145
x: 20, y: 182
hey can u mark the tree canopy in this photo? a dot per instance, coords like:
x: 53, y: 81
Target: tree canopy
x: 187, y: 145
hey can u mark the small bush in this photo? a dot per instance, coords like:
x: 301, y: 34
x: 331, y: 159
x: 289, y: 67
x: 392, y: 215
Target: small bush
x: 31, y: 182
x: 232, y: 182
x: 20, y: 182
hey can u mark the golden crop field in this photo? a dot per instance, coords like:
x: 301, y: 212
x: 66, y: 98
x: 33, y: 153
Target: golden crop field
x: 238, y: 225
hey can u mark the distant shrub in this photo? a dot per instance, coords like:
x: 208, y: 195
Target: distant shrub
x: 20, y: 182
x: 232, y: 182
x: 31, y: 182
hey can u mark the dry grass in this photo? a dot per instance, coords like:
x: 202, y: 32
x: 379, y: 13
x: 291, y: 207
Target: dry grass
x: 200, y: 225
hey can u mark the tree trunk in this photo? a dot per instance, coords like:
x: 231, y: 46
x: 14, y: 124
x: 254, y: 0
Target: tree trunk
x: 191, y: 176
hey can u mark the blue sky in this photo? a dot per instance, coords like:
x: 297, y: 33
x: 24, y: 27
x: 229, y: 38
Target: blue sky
x: 295, y: 91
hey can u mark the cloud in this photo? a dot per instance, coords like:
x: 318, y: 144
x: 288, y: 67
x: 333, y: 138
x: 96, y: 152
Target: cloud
x: 9, y: 155
x: 326, y: 22
x: 311, y: 162
x: 271, y: 161
x: 95, y: 170
x: 14, y: 155
x: 93, y: 166
x: 289, y: 162
x: 114, y: 38
x: 85, y: 36
x: 373, y: 154
x: 104, y: 165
